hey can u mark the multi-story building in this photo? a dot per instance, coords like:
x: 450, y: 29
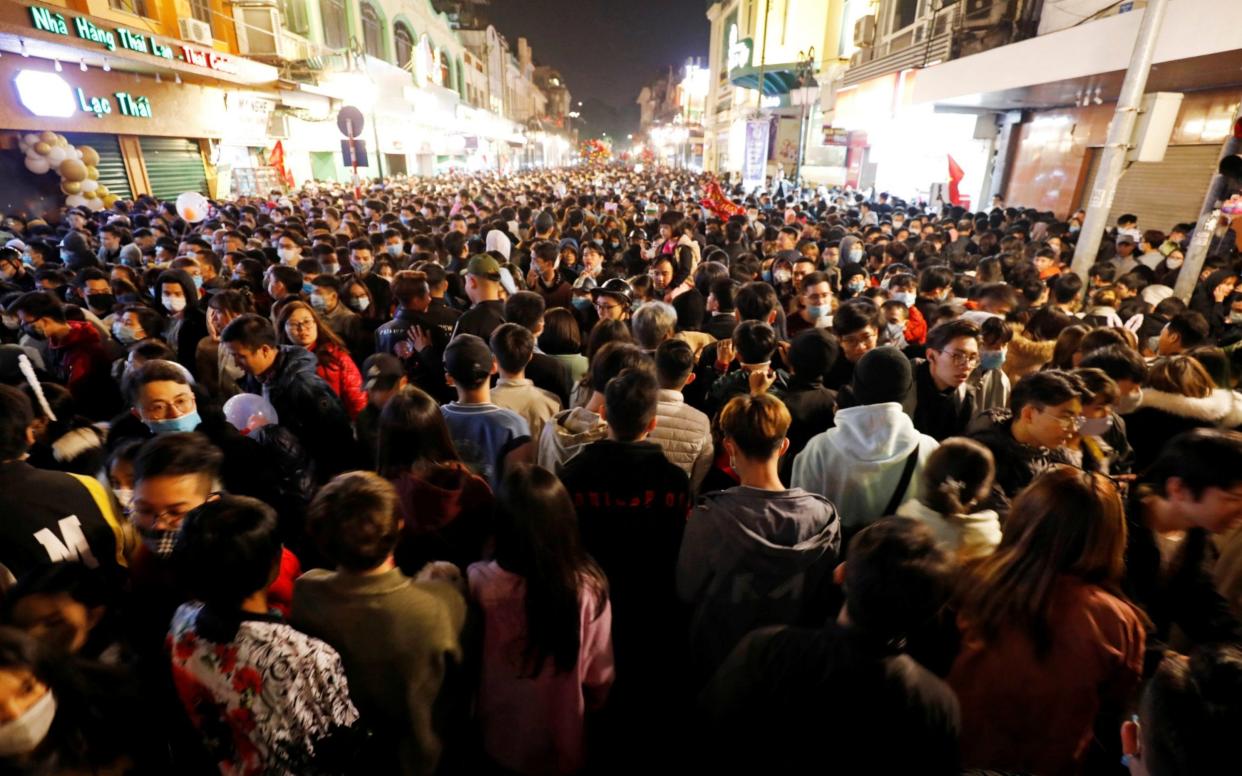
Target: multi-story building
x: 180, y: 95
x: 671, y: 113
x: 766, y: 61
x: 1021, y: 93
x: 161, y: 90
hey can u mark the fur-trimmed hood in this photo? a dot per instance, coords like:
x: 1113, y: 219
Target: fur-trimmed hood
x: 1222, y: 407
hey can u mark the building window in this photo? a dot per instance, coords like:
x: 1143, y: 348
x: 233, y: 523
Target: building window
x: 446, y: 80
x: 335, y: 29
x: 138, y: 7
x: 372, y: 32
x: 296, y: 19
x: 403, y: 44
x: 201, y: 10
x: 904, y: 13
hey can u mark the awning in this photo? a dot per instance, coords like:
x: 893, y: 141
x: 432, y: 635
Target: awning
x: 777, y: 79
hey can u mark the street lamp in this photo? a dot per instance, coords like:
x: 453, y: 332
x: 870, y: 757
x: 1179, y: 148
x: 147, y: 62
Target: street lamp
x: 806, y: 89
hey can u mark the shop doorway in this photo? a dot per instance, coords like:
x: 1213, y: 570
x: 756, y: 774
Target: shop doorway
x: 394, y: 164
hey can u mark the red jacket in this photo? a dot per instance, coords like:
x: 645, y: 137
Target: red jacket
x: 341, y: 374
x: 916, y: 327
x: 78, y: 357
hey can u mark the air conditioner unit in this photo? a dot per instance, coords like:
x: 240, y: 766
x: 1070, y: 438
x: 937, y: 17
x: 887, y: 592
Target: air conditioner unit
x: 258, y: 29
x: 196, y: 31
x: 984, y: 13
x: 864, y: 31
x: 278, y: 126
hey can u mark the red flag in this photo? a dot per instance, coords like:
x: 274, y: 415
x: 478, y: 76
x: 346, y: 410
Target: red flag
x: 277, y: 160
x: 955, y: 177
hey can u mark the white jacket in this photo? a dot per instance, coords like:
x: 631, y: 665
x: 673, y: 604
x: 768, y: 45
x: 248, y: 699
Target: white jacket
x: 685, y: 434
x: 1223, y: 407
x: 965, y: 536
x: 857, y: 463
x: 566, y: 435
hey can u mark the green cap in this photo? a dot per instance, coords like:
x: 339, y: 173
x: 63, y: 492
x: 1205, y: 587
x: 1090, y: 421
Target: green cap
x: 484, y: 266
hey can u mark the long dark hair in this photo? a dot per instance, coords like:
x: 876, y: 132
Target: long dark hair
x: 1066, y: 523
x: 412, y: 432
x: 537, y: 539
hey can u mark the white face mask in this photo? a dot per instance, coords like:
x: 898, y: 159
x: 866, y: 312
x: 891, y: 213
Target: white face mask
x: 174, y: 303
x: 24, y: 734
x: 125, y: 496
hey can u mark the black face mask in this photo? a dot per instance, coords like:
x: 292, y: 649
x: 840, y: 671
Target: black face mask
x: 101, y: 301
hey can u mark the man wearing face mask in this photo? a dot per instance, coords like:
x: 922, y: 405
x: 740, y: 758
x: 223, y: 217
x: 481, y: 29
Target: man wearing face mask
x: 546, y: 278
x: 362, y: 261
x: 49, y: 517
x: 394, y: 246
x: 14, y: 271
x: 187, y: 323
x: 289, y: 250
x: 75, y: 352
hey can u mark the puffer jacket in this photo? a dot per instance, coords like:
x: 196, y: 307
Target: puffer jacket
x: 685, y: 435
x: 307, y: 406
x: 341, y: 374
x: 1161, y: 416
x: 566, y: 435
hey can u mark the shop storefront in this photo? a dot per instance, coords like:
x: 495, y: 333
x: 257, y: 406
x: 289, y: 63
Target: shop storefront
x: 161, y: 114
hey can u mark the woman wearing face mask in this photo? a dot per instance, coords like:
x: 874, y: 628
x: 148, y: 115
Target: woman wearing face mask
x: 1168, y: 270
x: 62, y: 715
x: 187, y: 325
x: 299, y: 324
x: 854, y: 281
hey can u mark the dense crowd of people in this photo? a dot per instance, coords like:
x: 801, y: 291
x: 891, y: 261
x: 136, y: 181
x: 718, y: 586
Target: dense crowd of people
x: 589, y: 471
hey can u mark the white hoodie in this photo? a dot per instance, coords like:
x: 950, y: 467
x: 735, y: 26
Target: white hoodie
x: 857, y: 464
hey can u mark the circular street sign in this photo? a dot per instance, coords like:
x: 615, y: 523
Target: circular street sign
x: 349, y: 119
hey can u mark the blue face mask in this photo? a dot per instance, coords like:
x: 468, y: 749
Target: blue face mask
x: 767, y: 276
x: 855, y: 255
x: 856, y: 286
x: 991, y: 359
x: 905, y: 297
x: 198, y: 281
x: 308, y: 288
x: 582, y: 303
x: 817, y: 311
x: 187, y: 422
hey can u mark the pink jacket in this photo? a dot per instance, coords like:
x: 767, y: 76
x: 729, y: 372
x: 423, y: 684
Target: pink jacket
x: 536, y: 725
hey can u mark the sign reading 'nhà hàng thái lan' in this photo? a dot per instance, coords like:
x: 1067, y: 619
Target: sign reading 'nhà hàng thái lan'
x: 47, y: 20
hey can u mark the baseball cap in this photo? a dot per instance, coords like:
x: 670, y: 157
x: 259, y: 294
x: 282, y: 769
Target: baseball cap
x: 484, y: 266
x: 468, y: 359
x: 381, y: 371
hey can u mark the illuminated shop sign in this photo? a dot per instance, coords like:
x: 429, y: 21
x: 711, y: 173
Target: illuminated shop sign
x: 50, y: 96
x: 47, y: 20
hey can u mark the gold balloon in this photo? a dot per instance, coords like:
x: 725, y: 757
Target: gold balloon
x: 71, y: 187
x: 72, y: 170
x: 41, y: 148
x: 90, y: 157
x: 110, y: 199
x: 102, y: 191
x: 92, y: 173
x: 62, y: 141
x: 90, y: 194
x: 48, y: 137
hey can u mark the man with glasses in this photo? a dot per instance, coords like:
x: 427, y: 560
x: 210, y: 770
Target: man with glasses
x: 613, y: 300
x: 857, y: 324
x: 814, y: 303
x: 945, y: 399
x: 1045, y: 411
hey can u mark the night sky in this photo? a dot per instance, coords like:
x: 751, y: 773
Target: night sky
x: 607, y: 50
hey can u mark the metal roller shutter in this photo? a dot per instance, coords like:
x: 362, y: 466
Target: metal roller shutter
x: 174, y: 166
x: 1163, y: 193
x: 111, y: 164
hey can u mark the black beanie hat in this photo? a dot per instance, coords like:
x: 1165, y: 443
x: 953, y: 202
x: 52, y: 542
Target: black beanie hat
x: 883, y: 375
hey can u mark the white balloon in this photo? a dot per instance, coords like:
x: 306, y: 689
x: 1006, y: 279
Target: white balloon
x: 78, y: 152
x: 192, y: 206
x: 75, y: 200
x: 31, y: 138
x: 38, y: 165
x: 89, y: 185
x: 56, y: 155
x: 95, y: 203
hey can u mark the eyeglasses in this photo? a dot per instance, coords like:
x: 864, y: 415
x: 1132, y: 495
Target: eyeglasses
x: 1070, y: 421
x: 181, y: 405
x: 162, y: 520
x: 960, y: 358
x: 300, y: 325
x: 862, y: 338
x: 604, y: 307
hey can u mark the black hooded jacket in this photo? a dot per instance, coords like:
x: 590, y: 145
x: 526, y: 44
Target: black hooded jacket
x: 183, y: 334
